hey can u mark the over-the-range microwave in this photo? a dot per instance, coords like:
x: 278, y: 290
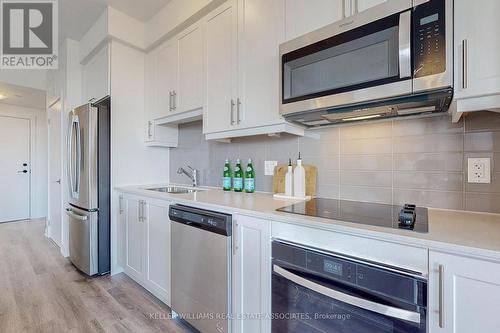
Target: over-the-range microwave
x: 395, y: 59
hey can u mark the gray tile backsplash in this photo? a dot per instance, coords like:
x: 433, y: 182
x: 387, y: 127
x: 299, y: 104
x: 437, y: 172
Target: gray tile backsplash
x: 423, y: 161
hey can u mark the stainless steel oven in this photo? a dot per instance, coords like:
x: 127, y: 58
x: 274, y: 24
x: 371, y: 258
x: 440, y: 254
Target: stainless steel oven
x: 316, y: 291
x: 393, y: 59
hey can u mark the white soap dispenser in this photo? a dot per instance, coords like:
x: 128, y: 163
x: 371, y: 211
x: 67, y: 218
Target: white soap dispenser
x: 299, y: 180
x: 289, y: 179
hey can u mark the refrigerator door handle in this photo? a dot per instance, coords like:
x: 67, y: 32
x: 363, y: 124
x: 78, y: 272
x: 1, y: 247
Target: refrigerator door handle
x: 74, y: 175
x: 78, y: 217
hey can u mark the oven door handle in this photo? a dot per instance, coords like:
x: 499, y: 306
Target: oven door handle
x: 389, y: 311
x: 405, y: 44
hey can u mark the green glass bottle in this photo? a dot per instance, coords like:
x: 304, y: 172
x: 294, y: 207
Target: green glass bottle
x: 238, y: 177
x: 227, y: 177
x: 249, y: 178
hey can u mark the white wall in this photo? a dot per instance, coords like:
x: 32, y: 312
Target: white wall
x: 31, y: 78
x: 39, y: 180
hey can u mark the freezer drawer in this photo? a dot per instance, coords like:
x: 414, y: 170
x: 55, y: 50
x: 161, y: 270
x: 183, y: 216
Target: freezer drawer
x: 83, y: 242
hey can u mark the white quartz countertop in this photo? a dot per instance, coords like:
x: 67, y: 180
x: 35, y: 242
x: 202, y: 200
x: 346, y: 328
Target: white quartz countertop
x: 469, y: 233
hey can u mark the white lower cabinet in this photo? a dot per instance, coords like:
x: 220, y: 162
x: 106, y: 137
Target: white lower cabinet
x: 464, y: 294
x: 146, y: 244
x: 251, y: 275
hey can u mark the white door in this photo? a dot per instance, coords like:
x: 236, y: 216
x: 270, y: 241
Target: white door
x: 303, y: 16
x: 190, y: 94
x: 166, y: 80
x: 251, y: 273
x: 15, y: 167
x: 158, y: 257
x: 135, y: 239
x: 464, y: 294
x: 221, y: 69
x: 55, y: 173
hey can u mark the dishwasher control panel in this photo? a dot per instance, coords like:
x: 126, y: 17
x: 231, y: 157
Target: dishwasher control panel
x: 219, y: 223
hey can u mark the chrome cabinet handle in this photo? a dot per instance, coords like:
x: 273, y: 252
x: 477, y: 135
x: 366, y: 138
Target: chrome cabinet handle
x: 170, y: 101
x: 174, y: 100
x: 238, y: 107
x: 343, y: 8
x: 120, y: 204
x: 140, y: 211
x: 441, y: 296
x: 356, y: 7
x: 465, y: 64
x: 232, y: 112
x: 235, y: 233
x: 362, y: 303
x: 150, y: 125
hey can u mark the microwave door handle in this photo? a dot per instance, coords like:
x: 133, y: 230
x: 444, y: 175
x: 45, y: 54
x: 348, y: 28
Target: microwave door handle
x: 405, y: 44
x: 382, y: 309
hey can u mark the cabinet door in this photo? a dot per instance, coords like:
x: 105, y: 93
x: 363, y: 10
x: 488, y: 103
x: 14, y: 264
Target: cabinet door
x: 95, y: 76
x: 361, y: 5
x: 477, y: 50
x: 470, y: 294
x: 158, y: 254
x: 135, y: 239
x: 303, y: 16
x: 259, y: 37
x: 220, y: 68
x: 165, y: 81
x: 251, y: 273
x: 190, y: 94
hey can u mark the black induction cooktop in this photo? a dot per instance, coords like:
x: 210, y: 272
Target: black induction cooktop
x: 368, y: 213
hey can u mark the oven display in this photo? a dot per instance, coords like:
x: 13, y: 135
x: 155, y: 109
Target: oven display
x: 332, y: 267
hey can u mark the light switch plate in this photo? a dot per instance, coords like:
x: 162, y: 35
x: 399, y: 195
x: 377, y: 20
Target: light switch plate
x: 479, y: 170
x: 269, y: 167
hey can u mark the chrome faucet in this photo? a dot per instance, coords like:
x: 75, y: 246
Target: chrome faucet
x: 191, y: 173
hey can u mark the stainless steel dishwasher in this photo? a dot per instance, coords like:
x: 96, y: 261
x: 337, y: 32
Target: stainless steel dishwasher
x: 201, y: 267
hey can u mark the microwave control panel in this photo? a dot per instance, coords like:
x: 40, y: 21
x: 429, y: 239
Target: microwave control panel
x: 429, y: 38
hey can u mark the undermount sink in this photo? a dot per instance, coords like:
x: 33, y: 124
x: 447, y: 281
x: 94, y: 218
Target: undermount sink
x: 173, y: 189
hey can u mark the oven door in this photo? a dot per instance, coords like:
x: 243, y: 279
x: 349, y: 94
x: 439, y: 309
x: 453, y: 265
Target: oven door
x: 370, y: 61
x: 302, y: 302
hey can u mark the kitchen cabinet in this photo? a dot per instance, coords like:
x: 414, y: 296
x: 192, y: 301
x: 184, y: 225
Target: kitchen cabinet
x: 464, y: 294
x: 477, y: 69
x: 188, y: 96
x: 361, y: 5
x: 251, y: 274
x: 303, y: 16
x: 95, y: 75
x: 135, y: 234
x: 241, y: 69
x: 220, y: 68
x: 145, y: 251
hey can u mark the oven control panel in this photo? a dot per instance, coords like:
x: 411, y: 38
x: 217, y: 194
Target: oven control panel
x: 429, y: 38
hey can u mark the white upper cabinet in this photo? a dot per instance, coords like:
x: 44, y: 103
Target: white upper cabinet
x: 241, y: 66
x: 189, y: 94
x: 464, y: 294
x: 361, y: 5
x: 477, y: 54
x: 95, y: 76
x: 164, y: 78
x: 303, y: 16
x: 220, y: 68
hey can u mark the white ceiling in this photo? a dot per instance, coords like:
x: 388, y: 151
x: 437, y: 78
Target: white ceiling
x: 22, y: 96
x: 77, y: 16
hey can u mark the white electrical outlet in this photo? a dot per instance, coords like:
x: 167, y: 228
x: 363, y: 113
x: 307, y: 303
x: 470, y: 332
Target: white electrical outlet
x: 269, y: 167
x: 479, y: 170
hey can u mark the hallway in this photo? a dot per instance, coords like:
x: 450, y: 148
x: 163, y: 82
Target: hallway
x: 41, y: 291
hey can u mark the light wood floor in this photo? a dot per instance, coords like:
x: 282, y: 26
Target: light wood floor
x: 40, y: 291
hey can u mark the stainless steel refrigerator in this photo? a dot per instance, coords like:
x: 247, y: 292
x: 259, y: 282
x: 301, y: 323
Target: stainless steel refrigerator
x: 88, y: 151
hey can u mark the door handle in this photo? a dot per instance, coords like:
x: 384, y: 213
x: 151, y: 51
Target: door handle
x: 22, y: 171
x: 120, y: 204
x: 465, y: 64
x: 232, y: 112
x: 238, y: 105
x: 150, y: 124
x: 441, y: 296
x: 170, y: 107
x: 78, y: 217
x: 57, y: 181
x: 362, y: 303
x: 174, y: 100
x: 405, y: 44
